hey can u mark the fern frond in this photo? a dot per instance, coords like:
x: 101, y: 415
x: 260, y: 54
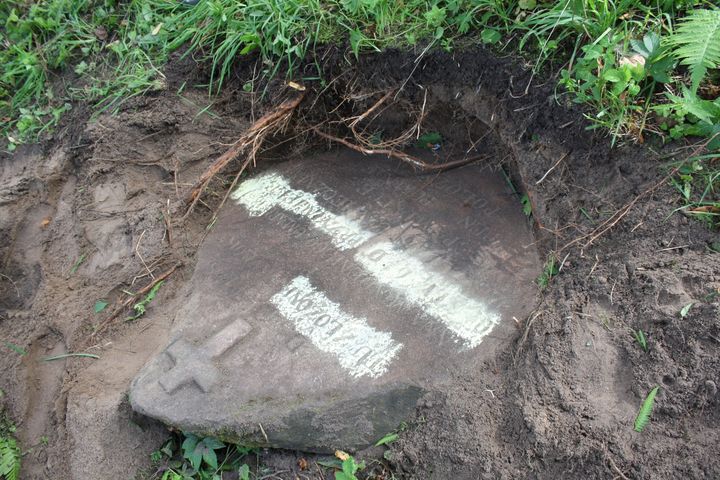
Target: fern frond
x: 643, y: 416
x: 9, y: 459
x: 696, y: 43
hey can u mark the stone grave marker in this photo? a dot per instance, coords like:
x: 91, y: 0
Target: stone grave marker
x: 333, y: 294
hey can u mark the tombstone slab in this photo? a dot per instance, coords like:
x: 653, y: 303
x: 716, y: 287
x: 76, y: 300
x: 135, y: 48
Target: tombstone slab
x: 334, y: 293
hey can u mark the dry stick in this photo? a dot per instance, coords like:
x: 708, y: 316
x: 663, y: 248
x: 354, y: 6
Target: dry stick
x: 618, y: 215
x: 400, y: 155
x: 525, y: 334
x: 130, y: 300
x: 391, y: 143
x: 617, y: 470
x: 249, y: 137
x: 551, y: 169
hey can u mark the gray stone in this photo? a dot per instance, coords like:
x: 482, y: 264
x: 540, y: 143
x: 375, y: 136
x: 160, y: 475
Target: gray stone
x: 333, y: 294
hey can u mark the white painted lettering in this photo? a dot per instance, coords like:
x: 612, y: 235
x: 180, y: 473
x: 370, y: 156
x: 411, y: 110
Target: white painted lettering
x: 360, y: 349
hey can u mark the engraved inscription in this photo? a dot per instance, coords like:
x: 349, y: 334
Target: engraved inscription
x: 360, y: 349
x: 260, y: 194
x: 437, y: 295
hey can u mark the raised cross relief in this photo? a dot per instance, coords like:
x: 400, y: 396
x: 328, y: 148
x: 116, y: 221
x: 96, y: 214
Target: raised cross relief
x: 196, y: 364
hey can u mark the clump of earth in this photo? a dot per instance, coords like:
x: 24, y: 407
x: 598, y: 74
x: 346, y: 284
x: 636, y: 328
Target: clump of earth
x: 99, y: 210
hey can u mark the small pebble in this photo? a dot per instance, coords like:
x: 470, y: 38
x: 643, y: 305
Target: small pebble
x: 710, y: 388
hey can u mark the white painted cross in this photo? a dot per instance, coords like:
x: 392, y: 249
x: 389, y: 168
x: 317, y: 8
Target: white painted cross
x: 195, y: 364
x: 437, y: 295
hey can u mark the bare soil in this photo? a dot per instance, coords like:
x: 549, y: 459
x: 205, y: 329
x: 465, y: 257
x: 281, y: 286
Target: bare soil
x: 96, y: 211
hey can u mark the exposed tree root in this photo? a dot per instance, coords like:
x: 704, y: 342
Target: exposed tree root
x: 363, y: 137
x: 249, y: 143
x: 414, y: 161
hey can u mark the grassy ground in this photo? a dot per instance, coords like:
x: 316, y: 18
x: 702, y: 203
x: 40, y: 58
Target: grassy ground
x: 638, y: 67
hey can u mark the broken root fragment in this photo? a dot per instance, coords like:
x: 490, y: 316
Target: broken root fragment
x: 249, y: 142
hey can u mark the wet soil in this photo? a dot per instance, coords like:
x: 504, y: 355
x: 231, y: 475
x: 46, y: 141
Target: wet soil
x: 96, y: 211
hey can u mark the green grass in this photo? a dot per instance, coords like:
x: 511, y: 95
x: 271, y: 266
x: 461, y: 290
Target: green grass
x: 107, y: 49
x: 637, y: 68
x: 698, y: 186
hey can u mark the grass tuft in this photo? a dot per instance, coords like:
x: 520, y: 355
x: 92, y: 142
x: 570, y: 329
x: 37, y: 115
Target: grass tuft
x: 637, y: 67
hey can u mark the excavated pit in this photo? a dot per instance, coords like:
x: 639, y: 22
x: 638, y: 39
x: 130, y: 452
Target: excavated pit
x: 96, y: 212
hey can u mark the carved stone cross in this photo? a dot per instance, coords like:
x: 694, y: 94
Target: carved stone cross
x: 195, y: 364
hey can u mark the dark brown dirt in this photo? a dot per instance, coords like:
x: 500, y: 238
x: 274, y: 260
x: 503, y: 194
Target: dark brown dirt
x: 559, y: 404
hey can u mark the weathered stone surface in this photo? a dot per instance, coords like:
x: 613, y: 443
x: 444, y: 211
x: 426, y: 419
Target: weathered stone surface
x: 333, y: 293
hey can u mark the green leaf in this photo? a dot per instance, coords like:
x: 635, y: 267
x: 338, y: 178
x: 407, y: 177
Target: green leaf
x: 660, y: 68
x: 244, y: 472
x: 526, y: 205
x: 685, y: 310
x: 10, y: 456
x: 428, y: 140
x: 330, y: 463
x: 100, y: 306
x: 613, y: 75
x: 387, y: 439
x: 649, y: 47
x: 188, y: 446
x: 67, y: 355
x: 643, y: 416
x: 213, y: 443
x: 15, y: 348
x: 490, y: 35
x: 344, y: 476
x: 435, y: 16
x: 78, y: 263
x: 527, y: 4
x: 696, y: 43
x: 640, y: 337
x: 356, y: 37
x: 208, y: 454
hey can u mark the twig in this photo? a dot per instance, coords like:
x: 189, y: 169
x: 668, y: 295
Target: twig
x: 525, y: 334
x: 617, y: 470
x: 597, y: 260
x: 367, y: 112
x: 416, y: 162
x: 673, y: 248
x: 12, y: 282
x: 551, y: 169
x: 263, y: 432
x: 618, y: 215
x: 130, y: 300
x: 137, y: 252
x: 232, y: 187
x: 168, y: 223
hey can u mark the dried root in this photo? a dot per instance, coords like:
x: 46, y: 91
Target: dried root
x: 248, y: 144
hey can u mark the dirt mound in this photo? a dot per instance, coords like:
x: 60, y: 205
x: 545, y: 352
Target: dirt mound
x: 96, y: 212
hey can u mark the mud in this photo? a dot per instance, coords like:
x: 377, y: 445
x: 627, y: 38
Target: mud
x: 559, y: 403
